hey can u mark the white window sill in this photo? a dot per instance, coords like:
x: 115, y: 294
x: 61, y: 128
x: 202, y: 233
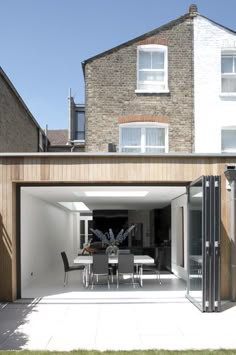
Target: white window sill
x: 152, y: 91
x: 228, y: 94
x: 78, y: 141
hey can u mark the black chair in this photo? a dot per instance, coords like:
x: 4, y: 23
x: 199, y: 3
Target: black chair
x: 100, y: 267
x: 125, y: 266
x: 154, y: 268
x: 68, y: 268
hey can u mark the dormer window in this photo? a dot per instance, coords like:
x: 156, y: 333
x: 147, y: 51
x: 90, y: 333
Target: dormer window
x: 228, y: 72
x: 152, y: 69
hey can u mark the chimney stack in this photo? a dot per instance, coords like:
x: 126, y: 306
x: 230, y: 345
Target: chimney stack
x: 193, y: 10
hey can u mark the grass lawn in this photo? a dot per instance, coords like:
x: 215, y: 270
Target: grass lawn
x: 141, y: 352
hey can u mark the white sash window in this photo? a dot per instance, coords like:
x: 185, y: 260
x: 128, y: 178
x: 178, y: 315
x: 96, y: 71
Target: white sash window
x: 152, y: 73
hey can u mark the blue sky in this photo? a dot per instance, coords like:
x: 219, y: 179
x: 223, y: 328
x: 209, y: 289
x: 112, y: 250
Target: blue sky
x: 43, y: 42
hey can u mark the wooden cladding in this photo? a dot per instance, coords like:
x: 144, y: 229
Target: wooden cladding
x: 98, y: 169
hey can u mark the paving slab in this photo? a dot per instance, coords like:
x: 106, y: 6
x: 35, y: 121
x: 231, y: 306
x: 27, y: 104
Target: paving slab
x: 114, y: 326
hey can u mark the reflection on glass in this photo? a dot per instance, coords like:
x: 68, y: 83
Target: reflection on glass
x: 195, y: 242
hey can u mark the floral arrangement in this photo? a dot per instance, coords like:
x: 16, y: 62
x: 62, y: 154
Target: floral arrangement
x: 109, y: 238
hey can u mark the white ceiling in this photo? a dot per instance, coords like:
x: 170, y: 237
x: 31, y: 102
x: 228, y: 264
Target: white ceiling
x: 157, y: 196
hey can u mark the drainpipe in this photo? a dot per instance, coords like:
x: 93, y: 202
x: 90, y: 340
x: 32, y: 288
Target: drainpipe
x: 230, y: 174
x: 69, y: 115
x: 232, y: 237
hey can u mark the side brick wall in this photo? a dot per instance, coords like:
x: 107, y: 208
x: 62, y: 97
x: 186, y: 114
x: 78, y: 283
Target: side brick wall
x: 18, y: 133
x: 110, y: 84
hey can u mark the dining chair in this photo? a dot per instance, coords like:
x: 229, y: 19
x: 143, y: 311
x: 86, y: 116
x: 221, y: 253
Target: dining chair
x: 100, y: 267
x: 68, y: 268
x: 125, y: 266
x: 154, y: 268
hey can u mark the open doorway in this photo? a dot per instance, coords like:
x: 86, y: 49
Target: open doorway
x: 57, y: 218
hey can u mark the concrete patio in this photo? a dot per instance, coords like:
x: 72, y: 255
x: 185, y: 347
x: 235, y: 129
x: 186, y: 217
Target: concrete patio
x: 163, y: 324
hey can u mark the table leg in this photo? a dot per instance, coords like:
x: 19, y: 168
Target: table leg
x: 141, y: 275
x: 87, y: 275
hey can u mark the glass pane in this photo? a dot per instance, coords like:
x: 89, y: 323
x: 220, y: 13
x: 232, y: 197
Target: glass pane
x: 82, y: 241
x: 82, y: 227
x: 131, y: 150
x: 229, y: 85
x: 228, y: 140
x: 155, y: 150
x: 155, y: 137
x: 79, y: 121
x: 195, y: 276
x: 144, y: 60
x: 90, y: 225
x: 130, y: 136
x: 79, y: 136
x: 151, y: 75
x: 157, y: 60
x: 79, y: 125
x: 226, y: 64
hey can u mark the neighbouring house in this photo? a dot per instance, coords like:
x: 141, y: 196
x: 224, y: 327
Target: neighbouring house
x: 19, y: 131
x: 154, y: 146
x: 73, y: 138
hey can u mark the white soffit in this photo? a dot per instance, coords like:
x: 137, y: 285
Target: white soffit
x: 120, y: 196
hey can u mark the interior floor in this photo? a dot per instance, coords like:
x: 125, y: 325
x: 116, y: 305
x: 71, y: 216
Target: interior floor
x: 50, y: 288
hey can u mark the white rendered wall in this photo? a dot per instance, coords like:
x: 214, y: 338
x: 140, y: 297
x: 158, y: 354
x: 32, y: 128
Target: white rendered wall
x: 176, y: 229
x: 45, y: 231
x: 212, y: 111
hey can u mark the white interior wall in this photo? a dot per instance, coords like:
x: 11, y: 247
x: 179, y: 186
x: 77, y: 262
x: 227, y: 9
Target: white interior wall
x: 45, y: 231
x: 176, y: 231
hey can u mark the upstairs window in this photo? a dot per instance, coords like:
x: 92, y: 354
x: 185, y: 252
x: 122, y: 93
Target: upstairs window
x: 228, y: 73
x: 137, y: 138
x: 79, y: 126
x: 152, y: 75
x: 228, y: 140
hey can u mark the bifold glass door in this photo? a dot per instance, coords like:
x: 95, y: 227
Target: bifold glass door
x: 203, y: 286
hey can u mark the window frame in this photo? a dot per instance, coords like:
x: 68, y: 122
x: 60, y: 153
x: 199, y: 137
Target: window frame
x: 157, y: 86
x: 78, y: 110
x: 229, y: 128
x: 144, y: 126
x: 228, y: 53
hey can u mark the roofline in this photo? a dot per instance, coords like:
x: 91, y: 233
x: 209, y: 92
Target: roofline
x: 150, y: 33
x: 120, y: 155
x: 218, y: 24
x: 147, y: 34
x: 15, y: 92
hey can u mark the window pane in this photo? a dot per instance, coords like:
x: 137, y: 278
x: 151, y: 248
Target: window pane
x: 151, y: 76
x: 144, y: 60
x: 79, y: 136
x: 155, y: 150
x: 155, y: 137
x: 157, y: 60
x: 79, y: 125
x: 79, y: 121
x: 131, y: 137
x: 228, y: 140
x: 131, y: 150
x: 229, y: 84
x: 227, y: 64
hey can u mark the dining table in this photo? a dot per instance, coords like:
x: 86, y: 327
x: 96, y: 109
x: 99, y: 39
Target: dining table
x: 139, y: 261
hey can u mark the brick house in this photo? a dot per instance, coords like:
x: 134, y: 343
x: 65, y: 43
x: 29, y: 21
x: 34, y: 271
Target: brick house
x: 165, y: 90
x: 150, y: 104
x: 19, y: 131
